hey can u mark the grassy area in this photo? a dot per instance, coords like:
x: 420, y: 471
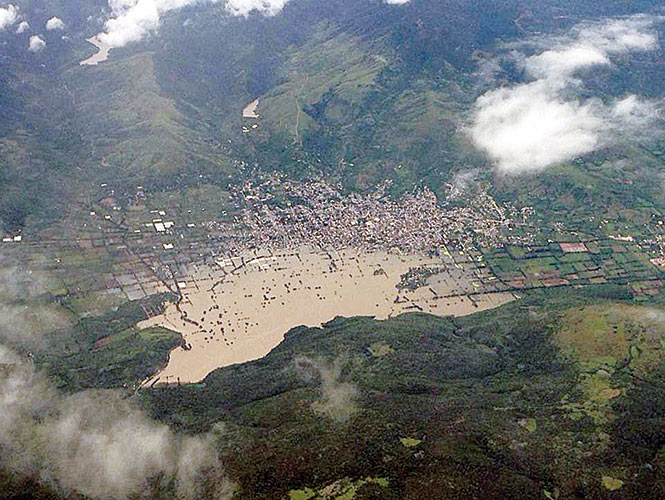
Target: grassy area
x: 614, y: 335
x: 495, y: 404
x: 133, y: 128
x: 119, y: 360
x: 350, y: 108
x: 324, y: 79
x: 109, y: 350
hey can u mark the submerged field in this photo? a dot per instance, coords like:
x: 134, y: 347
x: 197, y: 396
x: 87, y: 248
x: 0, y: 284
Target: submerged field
x: 240, y: 310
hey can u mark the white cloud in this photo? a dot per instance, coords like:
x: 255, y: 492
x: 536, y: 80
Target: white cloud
x: 536, y: 124
x: 36, y: 44
x: 245, y: 7
x: 134, y: 19
x: 95, y: 442
x: 620, y: 35
x: 635, y: 111
x: 22, y: 27
x: 338, y: 399
x: 563, y: 63
x: 527, y: 127
x: 55, y: 23
x: 8, y: 16
x: 131, y: 24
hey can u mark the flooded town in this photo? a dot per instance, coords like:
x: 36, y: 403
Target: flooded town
x: 273, y: 254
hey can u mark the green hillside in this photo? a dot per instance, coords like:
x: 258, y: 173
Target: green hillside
x: 498, y: 404
x: 131, y: 127
x: 138, y: 175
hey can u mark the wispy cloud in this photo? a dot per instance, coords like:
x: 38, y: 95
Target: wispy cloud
x: 24, y: 318
x: 539, y: 123
x: 338, y: 399
x: 95, y: 442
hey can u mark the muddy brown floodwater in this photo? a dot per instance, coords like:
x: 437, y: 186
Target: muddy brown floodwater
x: 240, y: 310
x: 250, y: 110
x: 101, y: 55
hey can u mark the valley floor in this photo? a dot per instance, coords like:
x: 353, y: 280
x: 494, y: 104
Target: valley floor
x: 240, y: 309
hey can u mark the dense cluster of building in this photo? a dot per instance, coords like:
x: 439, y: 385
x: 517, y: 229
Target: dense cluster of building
x: 148, y: 243
x: 280, y: 213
